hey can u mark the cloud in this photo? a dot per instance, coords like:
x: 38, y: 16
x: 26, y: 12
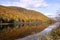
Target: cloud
x: 27, y: 3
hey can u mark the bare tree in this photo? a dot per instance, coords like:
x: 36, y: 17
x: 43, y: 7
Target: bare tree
x: 58, y: 16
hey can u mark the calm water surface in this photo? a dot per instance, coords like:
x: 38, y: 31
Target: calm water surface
x: 35, y: 36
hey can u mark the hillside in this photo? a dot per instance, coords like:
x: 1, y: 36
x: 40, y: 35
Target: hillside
x: 21, y: 13
x: 7, y: 13
x: 31, y: 14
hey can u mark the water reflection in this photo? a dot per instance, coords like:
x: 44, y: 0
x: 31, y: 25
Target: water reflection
x: 35, y: 36
x: 12, y: 31
x: 6, y: 26
x: 10, y: 25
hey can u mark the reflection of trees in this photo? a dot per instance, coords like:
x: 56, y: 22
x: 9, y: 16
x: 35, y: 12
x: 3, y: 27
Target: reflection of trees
x: 3, y: 26
x: 49, y: 21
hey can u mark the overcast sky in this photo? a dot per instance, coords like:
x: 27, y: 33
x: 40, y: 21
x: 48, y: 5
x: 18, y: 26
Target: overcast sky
x: 47, y: 7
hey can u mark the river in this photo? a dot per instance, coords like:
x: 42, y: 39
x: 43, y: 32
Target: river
x: 35, y: 36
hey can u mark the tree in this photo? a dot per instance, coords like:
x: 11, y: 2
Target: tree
x: 58, y: 16
x: 1, y: 20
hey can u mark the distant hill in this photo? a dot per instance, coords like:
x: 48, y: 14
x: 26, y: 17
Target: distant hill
x: 11, y: 12
x: 7, y: 13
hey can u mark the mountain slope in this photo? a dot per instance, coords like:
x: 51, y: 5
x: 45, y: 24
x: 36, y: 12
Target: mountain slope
x: 21, y: 13
x: 31, y: 14
x: 10, y: 13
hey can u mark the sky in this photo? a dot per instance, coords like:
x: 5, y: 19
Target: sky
x: 47, y: 7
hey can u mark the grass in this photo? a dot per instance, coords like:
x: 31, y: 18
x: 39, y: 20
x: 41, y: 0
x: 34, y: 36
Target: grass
x: 54, y: 34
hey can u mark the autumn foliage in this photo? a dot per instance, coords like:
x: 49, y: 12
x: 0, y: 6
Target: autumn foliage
x: 12, y: 14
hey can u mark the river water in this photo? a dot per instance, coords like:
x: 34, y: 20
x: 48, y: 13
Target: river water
x: 35, y: 36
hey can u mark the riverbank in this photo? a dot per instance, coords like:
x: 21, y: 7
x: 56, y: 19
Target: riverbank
x: 54, y: 34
